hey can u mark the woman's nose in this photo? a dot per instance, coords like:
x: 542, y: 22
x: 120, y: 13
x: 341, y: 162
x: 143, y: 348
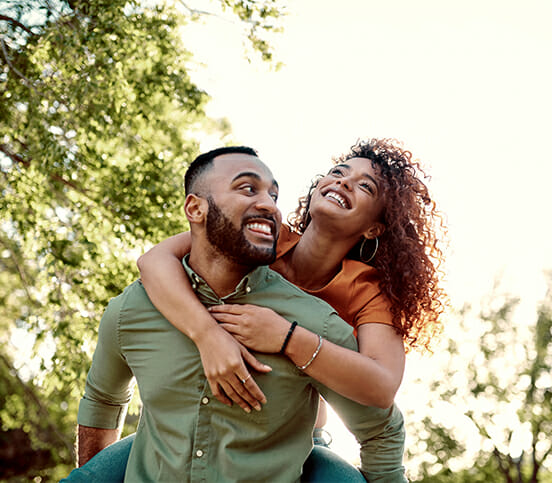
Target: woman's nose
x: 345, y: 182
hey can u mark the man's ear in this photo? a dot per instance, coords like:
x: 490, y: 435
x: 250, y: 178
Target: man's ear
x: 375, y: 229
x: 195, y: 208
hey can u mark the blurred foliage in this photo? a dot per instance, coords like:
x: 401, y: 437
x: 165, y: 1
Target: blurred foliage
x: 496, y: 386
x: 98, y: 121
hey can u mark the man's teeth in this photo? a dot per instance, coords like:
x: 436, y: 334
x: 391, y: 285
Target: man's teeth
x: 260, y: 227
x: 337, y: 197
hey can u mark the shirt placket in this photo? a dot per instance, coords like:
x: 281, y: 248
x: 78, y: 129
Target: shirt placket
x: 201, y: 446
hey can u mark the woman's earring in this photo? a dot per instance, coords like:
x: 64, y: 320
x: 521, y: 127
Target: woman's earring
x: 363, y: 245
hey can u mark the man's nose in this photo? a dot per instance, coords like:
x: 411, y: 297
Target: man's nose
x: 266, y: 202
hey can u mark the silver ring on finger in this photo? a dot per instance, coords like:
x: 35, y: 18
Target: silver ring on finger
x: 243, y: 381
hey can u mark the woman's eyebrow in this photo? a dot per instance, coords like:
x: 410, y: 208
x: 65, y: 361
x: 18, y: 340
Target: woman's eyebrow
x: 371, y: 178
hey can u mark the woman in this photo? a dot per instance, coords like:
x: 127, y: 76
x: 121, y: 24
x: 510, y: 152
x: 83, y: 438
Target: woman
x: 363, y: 239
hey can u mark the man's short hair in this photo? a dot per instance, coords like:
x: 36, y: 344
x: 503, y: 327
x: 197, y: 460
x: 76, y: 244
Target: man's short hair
x: 204, y: 161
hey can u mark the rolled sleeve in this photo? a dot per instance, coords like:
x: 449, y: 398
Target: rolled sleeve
x: 109, y: 384
x: 100, y: 415
x: 380, y: 432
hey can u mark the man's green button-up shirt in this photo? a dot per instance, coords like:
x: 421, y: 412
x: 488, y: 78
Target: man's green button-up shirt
x: 185, y: 434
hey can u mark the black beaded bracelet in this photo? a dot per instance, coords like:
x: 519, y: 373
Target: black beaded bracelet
x: 288, y: 336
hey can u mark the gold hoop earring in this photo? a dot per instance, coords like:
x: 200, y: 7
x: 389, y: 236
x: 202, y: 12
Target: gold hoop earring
x: 362, y: 259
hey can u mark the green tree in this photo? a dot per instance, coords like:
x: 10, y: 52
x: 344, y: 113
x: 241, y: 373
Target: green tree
x: 496, y: 380
x: 99, y: 119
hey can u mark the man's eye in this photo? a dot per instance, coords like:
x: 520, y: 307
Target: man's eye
x: 248, y: 188
x: 274, y: 196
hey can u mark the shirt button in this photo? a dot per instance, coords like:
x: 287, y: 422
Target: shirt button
x: 199, y: 453
x: 247, y: 289
x: 205, y: 400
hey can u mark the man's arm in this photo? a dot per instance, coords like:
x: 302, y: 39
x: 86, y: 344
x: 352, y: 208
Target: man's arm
x: 92, y: 440
x: 380, y: 432
x: 109, y: 388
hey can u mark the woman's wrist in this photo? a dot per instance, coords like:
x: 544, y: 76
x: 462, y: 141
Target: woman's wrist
x: 288, y: 337
x: 202, y: 327
x: 301, y: 346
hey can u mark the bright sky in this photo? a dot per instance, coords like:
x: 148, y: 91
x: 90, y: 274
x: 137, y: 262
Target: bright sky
x: 466, y: 85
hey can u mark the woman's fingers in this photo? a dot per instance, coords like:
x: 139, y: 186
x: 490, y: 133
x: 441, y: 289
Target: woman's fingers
x: 220, y: 394
x: 223, y: 360
x: 240, y: 394
x: 228, y: 318
x: 253, y: 362
x: 246, y: 394
x: 236, y: 309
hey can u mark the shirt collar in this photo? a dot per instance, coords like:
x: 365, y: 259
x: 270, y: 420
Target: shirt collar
x: 247, y: 284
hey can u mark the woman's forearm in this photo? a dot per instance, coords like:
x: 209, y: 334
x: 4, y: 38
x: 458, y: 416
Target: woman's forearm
x: 169, y: 288
x: 371, y: 377
x: 224, y: 359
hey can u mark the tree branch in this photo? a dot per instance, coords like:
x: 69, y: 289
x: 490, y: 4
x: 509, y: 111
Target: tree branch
x: 14, y: 69
x: 18, y: 159
x: 20, y: 271
x: 43, y: 412
x: 501, y: 466
x: 16, y: 23
x: 195, y: 11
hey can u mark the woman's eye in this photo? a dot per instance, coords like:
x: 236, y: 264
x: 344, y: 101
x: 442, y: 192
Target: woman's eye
x: 336, y: 172
x: 368, y: 187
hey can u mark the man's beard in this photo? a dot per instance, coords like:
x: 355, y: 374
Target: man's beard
x: 231, y: 242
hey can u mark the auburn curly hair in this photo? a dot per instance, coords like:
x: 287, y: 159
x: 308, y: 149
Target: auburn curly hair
x: 409, y: 253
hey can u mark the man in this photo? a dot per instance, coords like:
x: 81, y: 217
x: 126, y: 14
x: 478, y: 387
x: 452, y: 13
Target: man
x: 185, y: 434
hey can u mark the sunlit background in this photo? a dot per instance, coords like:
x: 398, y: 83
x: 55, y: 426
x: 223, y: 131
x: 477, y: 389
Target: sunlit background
x: 466, y: 86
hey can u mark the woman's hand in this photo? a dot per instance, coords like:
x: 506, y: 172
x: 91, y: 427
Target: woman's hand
x: 257, y: 328
x: 224, y: 362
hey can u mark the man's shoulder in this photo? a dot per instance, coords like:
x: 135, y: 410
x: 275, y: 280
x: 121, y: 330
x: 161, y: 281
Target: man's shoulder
x: 133, y: 297
x: 278, y: 284
x: 311, y: 312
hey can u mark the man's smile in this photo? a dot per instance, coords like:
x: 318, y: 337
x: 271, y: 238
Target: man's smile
x: 264, y: 229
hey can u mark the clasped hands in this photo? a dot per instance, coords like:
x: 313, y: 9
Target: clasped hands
x: 225, y: 355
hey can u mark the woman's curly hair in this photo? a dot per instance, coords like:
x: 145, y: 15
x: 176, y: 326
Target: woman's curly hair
x: 409, y: 256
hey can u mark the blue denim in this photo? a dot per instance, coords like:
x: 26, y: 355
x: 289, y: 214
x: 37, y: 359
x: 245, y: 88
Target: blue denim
x: 109, y: 466
x: 324, y: 466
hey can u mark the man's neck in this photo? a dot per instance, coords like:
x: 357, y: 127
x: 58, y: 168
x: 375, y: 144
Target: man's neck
x: 219, y: 272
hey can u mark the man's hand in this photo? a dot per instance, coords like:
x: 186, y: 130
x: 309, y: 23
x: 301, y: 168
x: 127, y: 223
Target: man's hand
x: 224, y: 362
x: 92, y: 440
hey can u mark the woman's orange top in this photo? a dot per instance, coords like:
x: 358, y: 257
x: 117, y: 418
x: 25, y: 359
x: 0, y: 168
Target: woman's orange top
x: 354, y: 292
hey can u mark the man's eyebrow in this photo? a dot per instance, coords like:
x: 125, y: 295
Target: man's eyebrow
x: 252, y: 174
